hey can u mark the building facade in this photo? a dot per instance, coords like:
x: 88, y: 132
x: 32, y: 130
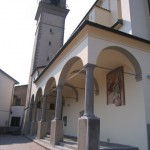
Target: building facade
x: 7, y: 84
x: 17, y: 107
x: 96, y: 86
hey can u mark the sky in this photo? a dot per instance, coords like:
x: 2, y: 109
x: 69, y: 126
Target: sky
x: 17, y: 31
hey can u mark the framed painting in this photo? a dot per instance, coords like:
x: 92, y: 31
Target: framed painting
x: 115, y: 87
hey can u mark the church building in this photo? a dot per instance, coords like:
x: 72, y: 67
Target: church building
x: 95, y: 88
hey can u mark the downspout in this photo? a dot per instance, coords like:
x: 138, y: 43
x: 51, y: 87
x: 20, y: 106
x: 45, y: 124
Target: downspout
x: 11, y: 104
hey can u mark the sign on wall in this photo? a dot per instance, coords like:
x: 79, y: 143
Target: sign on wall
x: 115, y: 87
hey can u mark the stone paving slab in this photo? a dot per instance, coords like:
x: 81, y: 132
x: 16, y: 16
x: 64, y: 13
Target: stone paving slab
x: 71, y: 144
x: 18, y: 142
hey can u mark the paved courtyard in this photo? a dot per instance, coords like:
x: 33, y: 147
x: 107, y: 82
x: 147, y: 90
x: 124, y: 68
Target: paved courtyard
x: 17, y: 142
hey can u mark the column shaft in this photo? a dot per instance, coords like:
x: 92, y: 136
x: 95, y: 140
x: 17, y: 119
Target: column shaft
x: 89, y: 91
x: 30, y: 111
x: 58, y: 102
x: 43, y: 116
x: 35, y: 111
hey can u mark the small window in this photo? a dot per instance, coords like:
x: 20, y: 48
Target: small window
x: 50, y: 43
x: 51, y: 30
x: 15, y: 121
x: 52, y: 106
x: 18, y: 102
x: 47, y: 58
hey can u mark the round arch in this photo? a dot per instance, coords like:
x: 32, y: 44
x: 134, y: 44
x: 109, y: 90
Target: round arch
x: 67, y: 68
x: 50, y: 85
x: 130, y: 57
x: 39, y: 94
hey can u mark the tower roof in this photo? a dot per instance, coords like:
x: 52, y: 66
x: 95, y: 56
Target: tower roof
x: 60, y: 3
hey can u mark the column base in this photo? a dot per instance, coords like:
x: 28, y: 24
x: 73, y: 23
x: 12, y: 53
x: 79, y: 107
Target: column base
x: 26, y: 128
x: 42, y: 129
x: 33, y: 128
x: 88, y: 133
x: 56, y: 131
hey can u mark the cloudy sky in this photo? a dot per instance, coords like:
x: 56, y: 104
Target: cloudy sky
x: 18, y: 27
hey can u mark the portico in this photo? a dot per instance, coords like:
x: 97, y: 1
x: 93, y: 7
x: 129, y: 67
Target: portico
x: 85, y: 67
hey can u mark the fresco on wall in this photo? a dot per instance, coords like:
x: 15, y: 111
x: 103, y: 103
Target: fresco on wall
x: 115, y: 87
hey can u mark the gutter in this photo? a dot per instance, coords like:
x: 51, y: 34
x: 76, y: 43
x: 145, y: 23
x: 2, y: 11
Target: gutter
x: 118, y: 24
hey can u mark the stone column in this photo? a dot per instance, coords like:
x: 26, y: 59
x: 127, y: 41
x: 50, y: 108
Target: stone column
x: 43, y: 116
x: 89, y: 125
x: 89, y: 92
x: 30, y: 111
x: 42, y: 124
x: 57, y: 123
x: 33, y: 128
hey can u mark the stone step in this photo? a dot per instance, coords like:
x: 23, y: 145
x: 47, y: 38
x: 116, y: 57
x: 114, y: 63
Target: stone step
x: 46, y: 138
x: 48, y: 135
x: 66, y: 145
x: 62, y: 147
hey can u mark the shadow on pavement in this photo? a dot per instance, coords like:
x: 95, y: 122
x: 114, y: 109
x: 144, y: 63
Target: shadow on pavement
x: 8, y: 139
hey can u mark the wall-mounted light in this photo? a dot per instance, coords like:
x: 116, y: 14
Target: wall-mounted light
x: 148, y: 76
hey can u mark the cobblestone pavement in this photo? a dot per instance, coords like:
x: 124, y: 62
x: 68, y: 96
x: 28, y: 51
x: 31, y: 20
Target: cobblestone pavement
x: 17, y: 142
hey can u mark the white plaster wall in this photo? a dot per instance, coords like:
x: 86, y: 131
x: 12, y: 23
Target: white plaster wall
x: 140, y: 18
x: 17, y: 111
x: 144, y: 59
x: 126, y: 17
x: 114, y: 11
x: 106, y: 4
x: 4, y: 118
x: 6, y: 92
x: 71, y: 110
x: 124, y: 124
x: 100, y: 16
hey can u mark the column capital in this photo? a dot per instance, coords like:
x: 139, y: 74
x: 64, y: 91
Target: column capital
x: 89, y: 65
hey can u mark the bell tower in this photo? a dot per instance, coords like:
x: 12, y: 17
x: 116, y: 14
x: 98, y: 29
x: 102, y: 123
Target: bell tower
x: 49, y: 36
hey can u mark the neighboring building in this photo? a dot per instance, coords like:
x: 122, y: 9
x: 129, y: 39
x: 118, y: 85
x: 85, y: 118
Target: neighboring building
x: 18, y: 106
x: 101, y: 73
x: 7, y: 84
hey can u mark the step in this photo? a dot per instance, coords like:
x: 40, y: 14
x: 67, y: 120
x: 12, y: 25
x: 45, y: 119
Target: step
x: 46, y: 138
x: 62, y: 147
x: 48, y: 135
x: 68, y: 145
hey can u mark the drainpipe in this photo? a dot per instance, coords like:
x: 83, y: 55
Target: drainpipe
x: 12, y: 96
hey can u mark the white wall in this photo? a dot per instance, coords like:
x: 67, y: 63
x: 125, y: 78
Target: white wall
x: 17, y: 111
x: 140, y: 18
x: 6, y: 92
x: 71, y: 110
x: 125, y: 124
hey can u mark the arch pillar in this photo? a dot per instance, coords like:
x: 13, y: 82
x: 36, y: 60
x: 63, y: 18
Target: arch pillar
x: 89, y: 125
x: 57, y: 123
x: 34, y: 122
x: 42, y: 124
